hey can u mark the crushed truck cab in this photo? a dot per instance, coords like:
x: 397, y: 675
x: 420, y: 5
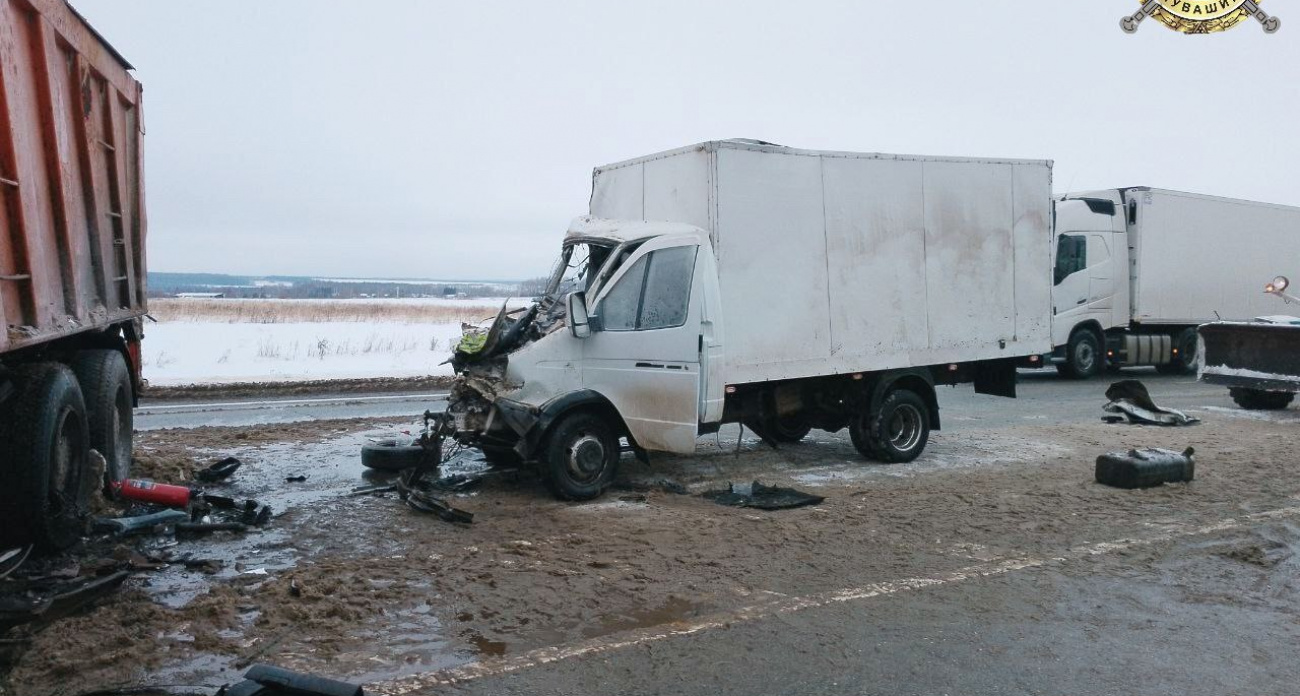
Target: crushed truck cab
x: 742, y: 282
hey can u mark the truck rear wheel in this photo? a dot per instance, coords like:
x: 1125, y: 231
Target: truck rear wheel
x: 44, y: 455
x: 897, y: 432
x: 1083, y: 356
x: 1259, y: 400
x: 581, y: 457
x: 106, y: 387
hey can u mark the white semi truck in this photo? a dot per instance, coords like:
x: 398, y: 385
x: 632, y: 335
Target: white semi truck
x: 741, y: 282
x: 1138, y: 269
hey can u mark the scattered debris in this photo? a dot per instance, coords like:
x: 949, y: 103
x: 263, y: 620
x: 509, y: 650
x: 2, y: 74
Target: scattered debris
x: 16, y: 611
x: 1146, y: 467
x: 190, y: 529
x: 372, y: 490
x: 265, y: 680
x: 139, y: 523
x: 142, y: 491
x: 295, y: 590
x: 663, y: 484
x: 756, y: 495
x: 219, y: 471
x: 295, y: 479
x: 414, y: 490
x: 13, y: 558
x: 1130, y: 398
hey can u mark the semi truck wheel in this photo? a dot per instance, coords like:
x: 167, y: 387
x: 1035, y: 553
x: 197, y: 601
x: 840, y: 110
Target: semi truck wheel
x: 581, y: 457
x: 1258, y: 400
x: 44, y: 453
x: 1083, y: 356
x: 897, y: 432
x: 106, y: 387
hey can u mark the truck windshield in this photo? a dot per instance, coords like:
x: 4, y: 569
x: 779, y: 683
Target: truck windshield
x: 576, y: 269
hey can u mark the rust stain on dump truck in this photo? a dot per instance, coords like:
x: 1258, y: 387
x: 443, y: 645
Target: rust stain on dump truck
x: 72, y: 264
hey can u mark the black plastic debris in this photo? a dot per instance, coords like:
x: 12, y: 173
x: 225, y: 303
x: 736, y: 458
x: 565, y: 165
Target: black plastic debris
x: 295, y: 479
x: 1145, y: 468
x: 15, y: 611
x: 417, y: 493
x: 756, y: 495
x: 1131, y: 399
x: 265, y: 680
x: 219, y: 471
x: 192, y: 529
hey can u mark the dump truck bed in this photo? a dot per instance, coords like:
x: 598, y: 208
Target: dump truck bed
x: 838, y: 262
x: 72, y: 220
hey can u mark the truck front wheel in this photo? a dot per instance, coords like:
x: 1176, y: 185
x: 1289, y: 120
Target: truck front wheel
x: 897, y: 432
x: 44, y: 455
x: 1259, y: 400
x: 1083, y: 357
x: 581, y: 457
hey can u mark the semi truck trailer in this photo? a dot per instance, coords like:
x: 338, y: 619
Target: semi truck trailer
x: 783, y: 289
x: 72, y: 267
x: 1136, y: 270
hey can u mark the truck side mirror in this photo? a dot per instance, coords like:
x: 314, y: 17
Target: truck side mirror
x: 579, y: 323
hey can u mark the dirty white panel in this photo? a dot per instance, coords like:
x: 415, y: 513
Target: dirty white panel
x: 618, y: 193
x: 969, y: 260
x: 1033, y: 254
x: 772, y: 263
x: 875, y: 243
x: 1201, y: 255
x: 678, y: 188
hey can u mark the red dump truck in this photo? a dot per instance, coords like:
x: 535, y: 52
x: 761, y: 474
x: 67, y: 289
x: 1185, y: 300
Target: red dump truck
x: 72, y: 267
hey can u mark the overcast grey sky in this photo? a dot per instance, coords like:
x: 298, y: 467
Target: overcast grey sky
x: 456, y: 140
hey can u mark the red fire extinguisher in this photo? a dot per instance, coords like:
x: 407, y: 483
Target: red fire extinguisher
x: 150, y: 492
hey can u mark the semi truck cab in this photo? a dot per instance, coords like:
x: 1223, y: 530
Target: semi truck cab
x: 1090, y: 288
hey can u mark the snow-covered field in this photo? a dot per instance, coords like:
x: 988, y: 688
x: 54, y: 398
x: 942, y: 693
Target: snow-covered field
x: 230, y: 340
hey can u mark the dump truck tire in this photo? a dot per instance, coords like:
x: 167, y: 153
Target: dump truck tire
x: 44, y: 456
x: 1258, y: 400
x: 391, y: 455
x: 581, y: 457
x: 106, y: 387
x: 900, y: 428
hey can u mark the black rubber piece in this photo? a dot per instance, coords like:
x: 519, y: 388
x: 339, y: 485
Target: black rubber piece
x: 568, y: 485
x: 897, y: 402
x: 1258, y: 400
x: 390, y: 455
x: 1083, y: 339
x: 44, y: 456
x: 1144, y: 468
x: 106, y: 384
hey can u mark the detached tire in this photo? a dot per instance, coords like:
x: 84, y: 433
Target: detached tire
x: 1083, y: 356
x: 581, y: 457
x: 391, y: 455
x: 106, y: 387
x: 898, y: 431
x: 44, y: 453
x: 1258, y: 400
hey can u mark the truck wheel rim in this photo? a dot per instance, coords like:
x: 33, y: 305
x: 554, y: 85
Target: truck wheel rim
x: 905, y: 428
x: 66, y: 446
x: 1084, y: 356
x: 586, y: 458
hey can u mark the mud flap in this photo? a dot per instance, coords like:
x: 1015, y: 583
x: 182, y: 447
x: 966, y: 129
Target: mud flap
x: 996, y: 377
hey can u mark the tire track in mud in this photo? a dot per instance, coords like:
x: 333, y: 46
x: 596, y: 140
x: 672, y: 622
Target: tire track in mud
x: 417, y: 684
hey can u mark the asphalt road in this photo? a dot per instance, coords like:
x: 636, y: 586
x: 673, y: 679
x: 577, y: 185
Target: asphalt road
x: 243, y: 412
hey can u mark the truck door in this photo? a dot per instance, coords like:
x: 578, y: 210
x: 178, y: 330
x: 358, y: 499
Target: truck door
x: 1101, y: 286
x: 1072, y: 281
x: 645, y: 357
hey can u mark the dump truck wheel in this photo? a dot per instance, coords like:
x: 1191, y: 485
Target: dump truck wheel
x: 391, y: 455
x: 1084, y: 358
x: 1187, y: 344
x: 106, y: 386
x: 901, y: 427
x: 1258, y: 400
x: 581, y: 457
x: 44, y: 455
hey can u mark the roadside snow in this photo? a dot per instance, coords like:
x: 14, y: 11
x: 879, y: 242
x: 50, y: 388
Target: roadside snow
x: 216, y: 352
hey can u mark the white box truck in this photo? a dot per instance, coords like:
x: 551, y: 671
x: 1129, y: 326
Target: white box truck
x: 1138, y: 269
x: 742, y: 282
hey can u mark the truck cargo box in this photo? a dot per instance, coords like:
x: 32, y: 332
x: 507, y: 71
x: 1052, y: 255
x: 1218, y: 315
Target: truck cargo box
x: 1202, y: 258
x: 837, y: 262
x: 72, y: 222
